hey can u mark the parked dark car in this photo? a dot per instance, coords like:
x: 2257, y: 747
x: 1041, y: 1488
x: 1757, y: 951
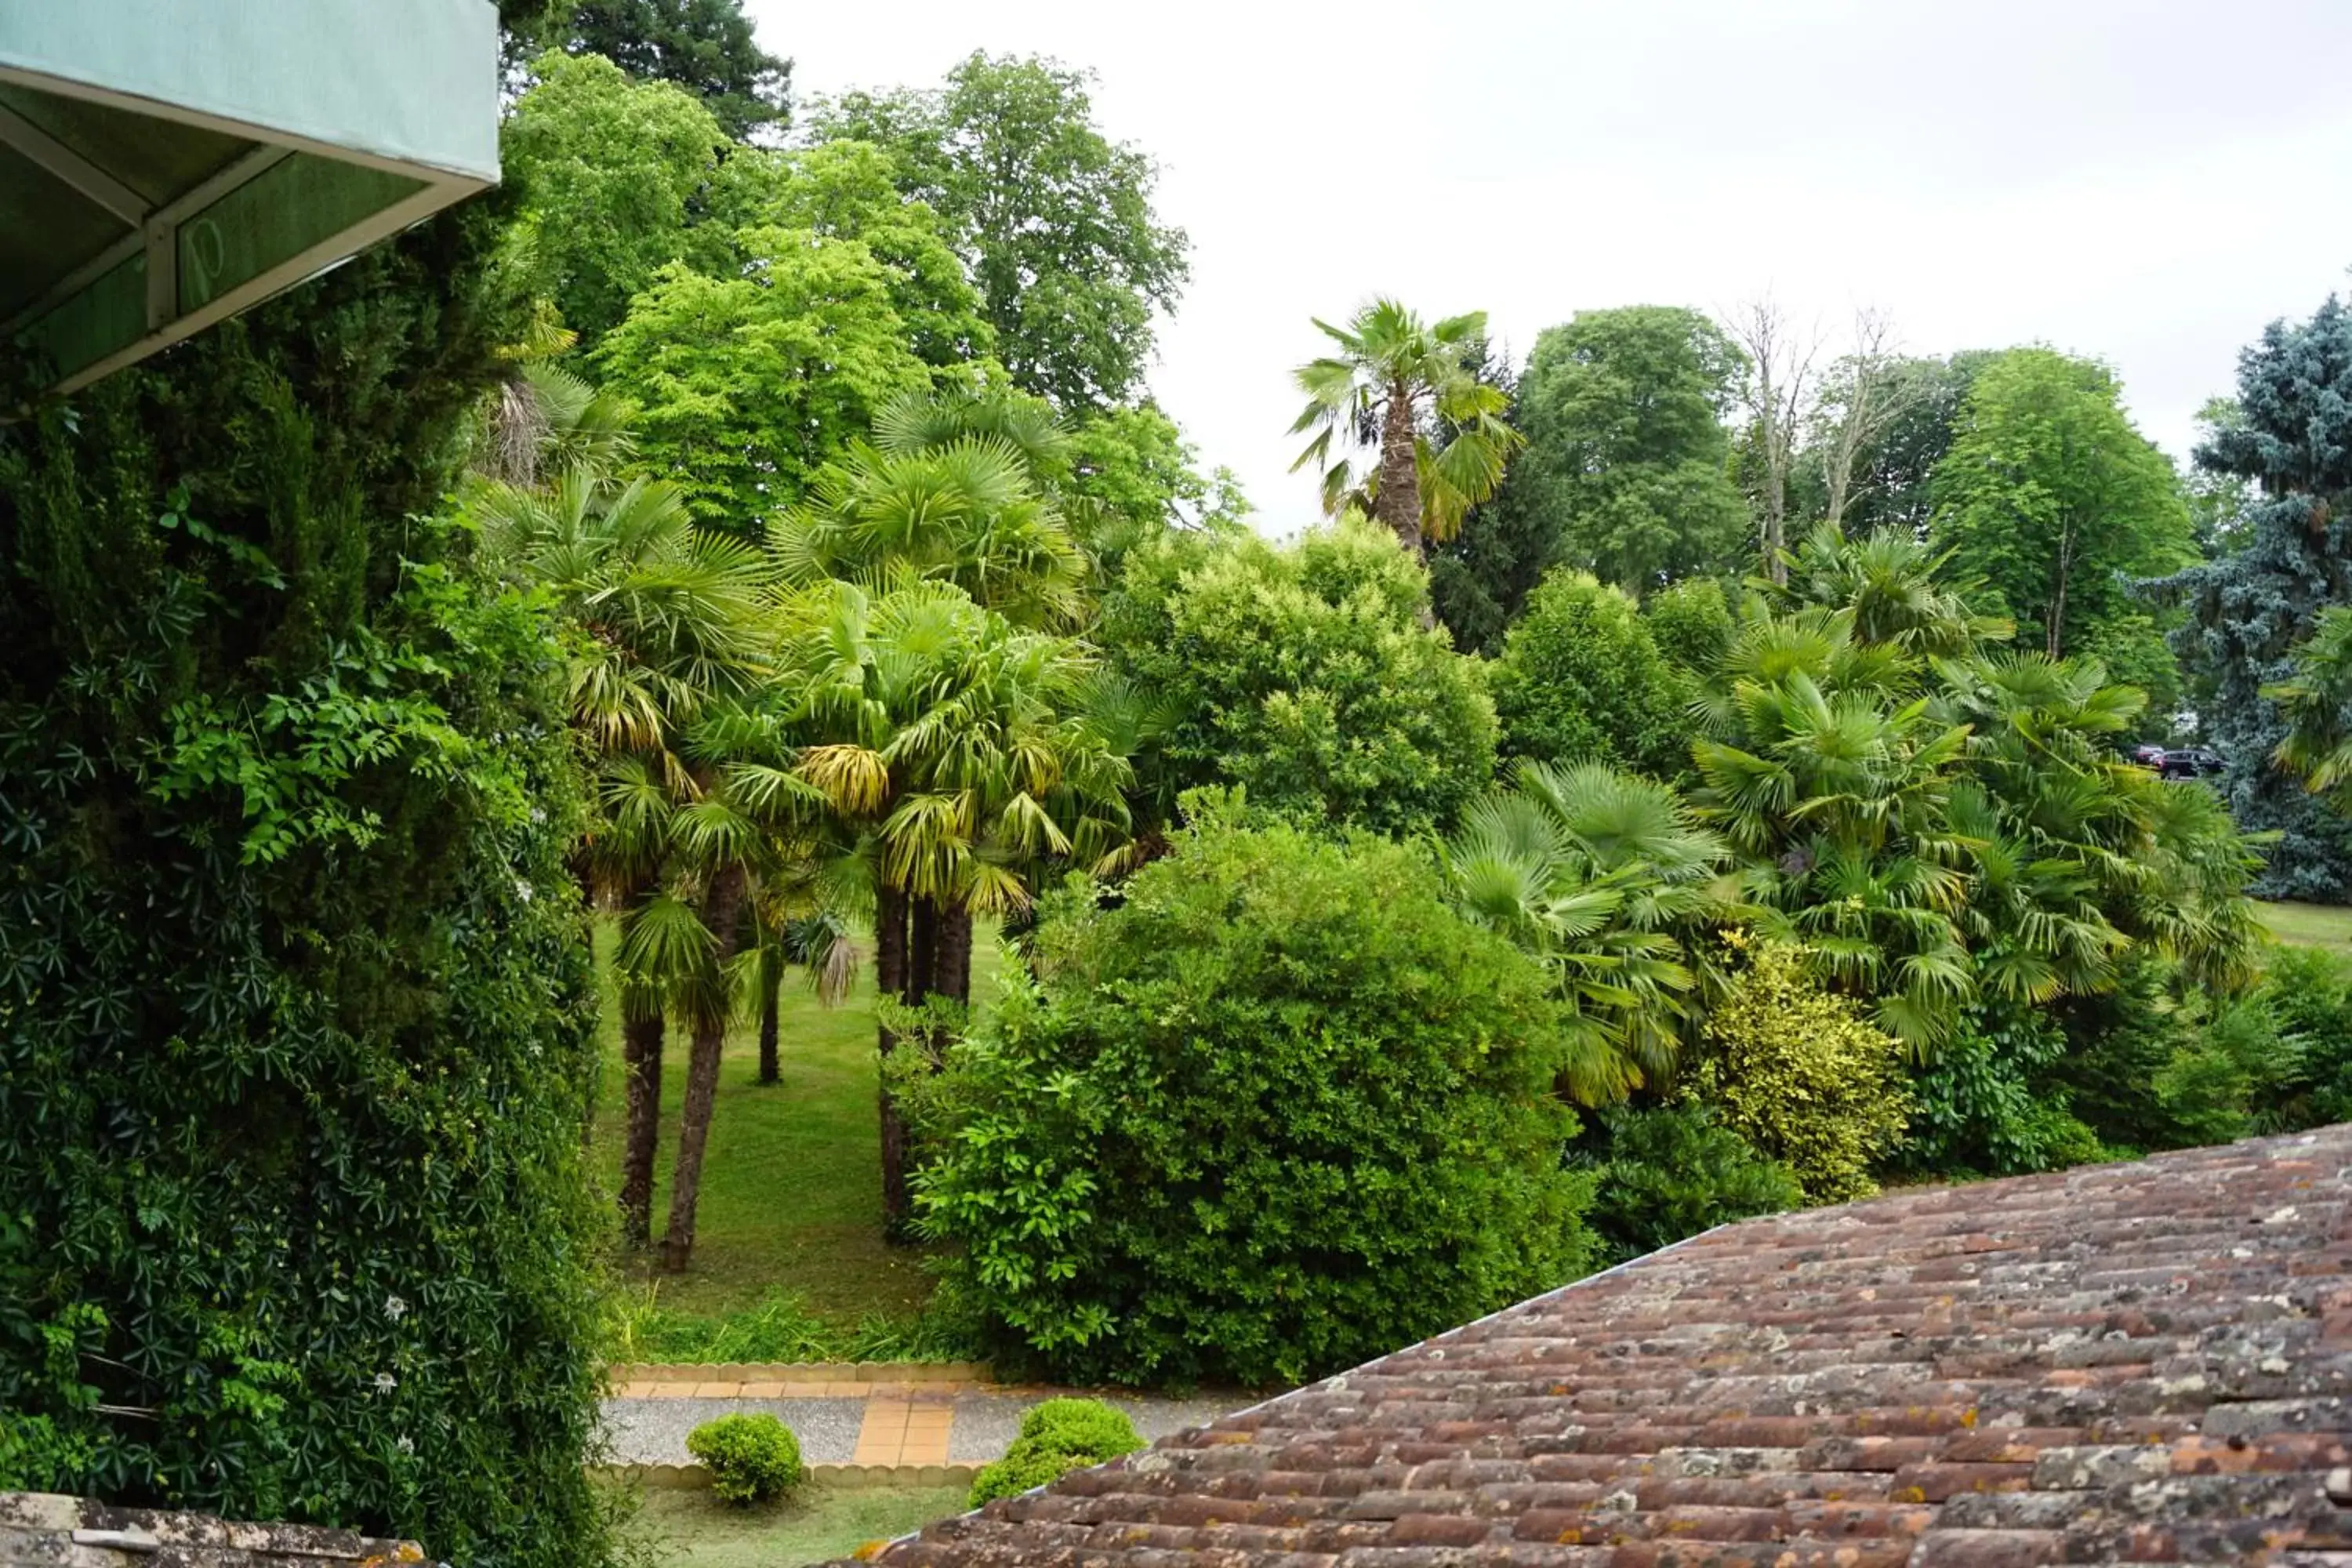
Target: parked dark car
x: 2189, y: 763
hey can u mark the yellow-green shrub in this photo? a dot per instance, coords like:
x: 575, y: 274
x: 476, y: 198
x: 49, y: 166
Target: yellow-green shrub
x: 1800, y: 1072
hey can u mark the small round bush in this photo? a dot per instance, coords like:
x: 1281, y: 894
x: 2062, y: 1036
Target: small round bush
x: 1056, y: 1437
x: 1080, y: 1426
x: 752, y: 1457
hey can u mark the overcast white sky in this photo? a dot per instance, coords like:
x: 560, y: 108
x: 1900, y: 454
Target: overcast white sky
x: 2146, y: 182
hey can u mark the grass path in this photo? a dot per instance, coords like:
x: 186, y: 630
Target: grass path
x: 2309, y: 925
x: 792, y: 1178
x: 695, y: 1529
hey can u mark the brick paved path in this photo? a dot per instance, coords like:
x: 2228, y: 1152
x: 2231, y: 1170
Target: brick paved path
x: 841, y: 1418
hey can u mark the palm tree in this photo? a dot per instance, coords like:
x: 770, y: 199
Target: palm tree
x: 1607, y: 880
x: 2315, y: 700
x: 673, y: 620
x: 956, y: 746
x: 1401, y: 377
x: 951, y: 489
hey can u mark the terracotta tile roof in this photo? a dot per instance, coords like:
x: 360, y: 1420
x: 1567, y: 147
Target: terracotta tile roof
x: 2145, y: 1363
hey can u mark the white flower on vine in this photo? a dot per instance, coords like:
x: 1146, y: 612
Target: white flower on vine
x: 394, y: 1308
x: 385, y: 1382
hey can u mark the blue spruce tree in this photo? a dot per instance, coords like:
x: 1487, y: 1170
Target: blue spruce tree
x: 2248, y: 608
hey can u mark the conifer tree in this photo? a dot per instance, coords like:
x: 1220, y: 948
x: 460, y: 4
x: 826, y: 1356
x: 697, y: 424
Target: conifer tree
x: 2248, y: 609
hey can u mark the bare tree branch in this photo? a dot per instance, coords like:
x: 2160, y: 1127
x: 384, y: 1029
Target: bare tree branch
x: 1779, y: 397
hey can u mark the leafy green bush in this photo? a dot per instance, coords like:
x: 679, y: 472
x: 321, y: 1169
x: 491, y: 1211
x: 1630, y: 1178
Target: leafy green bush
x: 2308, y: 992
x: 1302, y: 673
x: 1579, y: 680
x: 1056, y: 1436
x: 1670, y: 1172
x: 1981, y: 1105
x: 1798, y: 1072
x: 1278, y: 1111
x: 1691, y: 624
x: 751, y: 1456
x: 2158, y: 1063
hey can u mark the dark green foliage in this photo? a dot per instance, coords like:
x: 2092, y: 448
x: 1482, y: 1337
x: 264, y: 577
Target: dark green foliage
x: 2248, y: 609
x: 2158, y: 1064
x: 1054, y: 219
x: 751, y: 1456
x: 1278, y: 1111
x: 294, y: 1007
x: 1579, y: 680
x: 1669, y: 1171
x: 2308, y: 990
x: 1302, y: 673
x: 706, y: 46
x: 1984, y: 1104
x: 1627, y: 457
x: 1056, y: 1436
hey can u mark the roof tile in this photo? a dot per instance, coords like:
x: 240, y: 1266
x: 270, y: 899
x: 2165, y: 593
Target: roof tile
x: 2147, y: 1362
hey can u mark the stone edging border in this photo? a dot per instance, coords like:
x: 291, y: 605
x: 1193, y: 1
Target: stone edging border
x: 844, y: 1478
x: 869, y: 1372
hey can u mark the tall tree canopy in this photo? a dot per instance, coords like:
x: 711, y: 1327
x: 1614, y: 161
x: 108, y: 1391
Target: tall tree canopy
x: 1054, y: 219
x: 609, y: 169
x: 1623, y: 415
x: 2249, y: 608
x: 747, y: 385
x: 846, y: 191
x: 706, y: 46
x: 2053, y: 501
x: 1894, y: 471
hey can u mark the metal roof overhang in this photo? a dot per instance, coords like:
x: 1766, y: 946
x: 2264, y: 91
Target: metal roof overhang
x: 164, y: 163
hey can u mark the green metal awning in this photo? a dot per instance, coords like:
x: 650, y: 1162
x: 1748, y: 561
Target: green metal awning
x: 164, y: 163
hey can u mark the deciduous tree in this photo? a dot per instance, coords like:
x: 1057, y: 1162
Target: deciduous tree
x: 2053, y: 501
x: 1627, y: 452
x: 1054, y: 219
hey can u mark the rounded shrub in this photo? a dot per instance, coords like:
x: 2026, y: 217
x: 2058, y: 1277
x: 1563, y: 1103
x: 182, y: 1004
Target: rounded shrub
x: 1580, y: 680
x: 1056, y: 1437
x: 752, y: 1457
x: 1801, y: 1074
x: 1278, y: 1111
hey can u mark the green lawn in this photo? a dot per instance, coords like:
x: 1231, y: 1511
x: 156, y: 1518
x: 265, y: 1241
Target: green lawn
x: 2309, y: 925
x: 791, y: 1179
x: 695, y: 1529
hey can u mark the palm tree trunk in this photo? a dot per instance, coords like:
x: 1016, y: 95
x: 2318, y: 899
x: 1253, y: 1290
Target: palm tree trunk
x: 772, y: 985
x: 641, y: 1067
x: 922, y: 949
x: 890, y: 980
x: 952, y: 955
x: 722, y: 908
x: 1398, y: 502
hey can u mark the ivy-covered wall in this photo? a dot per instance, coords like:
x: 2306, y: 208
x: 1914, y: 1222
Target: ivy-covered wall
x: 294, y: 1010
